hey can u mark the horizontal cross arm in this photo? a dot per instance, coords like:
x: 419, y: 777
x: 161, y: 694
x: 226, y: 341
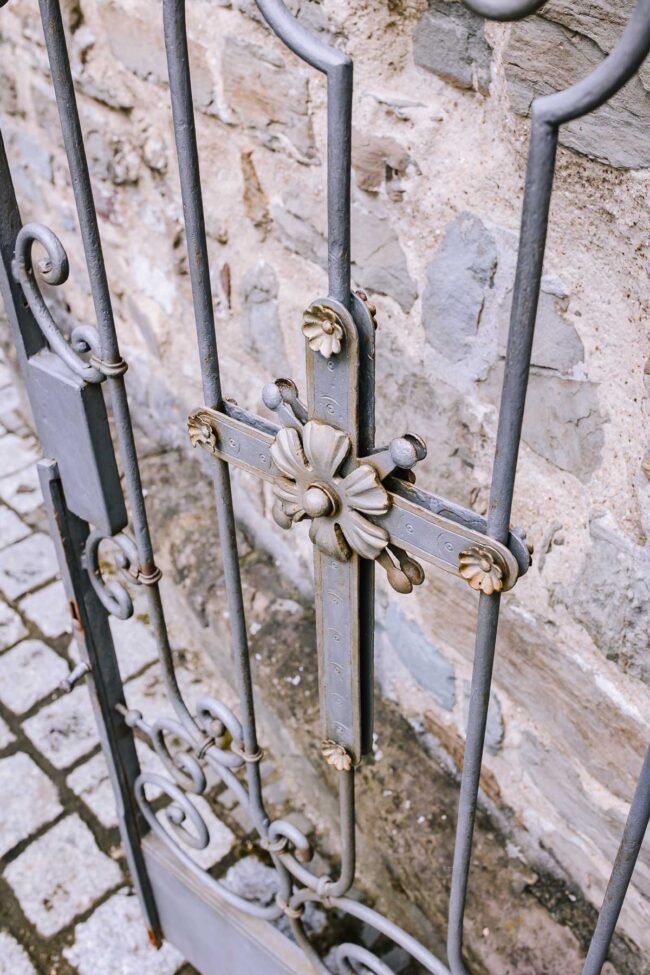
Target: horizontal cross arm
x: 413, y: 521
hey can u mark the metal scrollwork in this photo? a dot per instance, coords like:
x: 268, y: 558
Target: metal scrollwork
x: 112, y: 594
x: 177, y: 814
x: 54, y: 269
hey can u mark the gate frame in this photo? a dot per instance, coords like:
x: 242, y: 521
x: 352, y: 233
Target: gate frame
x: 86, y: 508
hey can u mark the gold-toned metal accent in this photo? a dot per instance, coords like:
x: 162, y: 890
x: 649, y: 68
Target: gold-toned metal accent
x: 201, y: 431
x: 309, y: 486
x: 483, y: 568
x: 323, y: 330
x: 336, y: 755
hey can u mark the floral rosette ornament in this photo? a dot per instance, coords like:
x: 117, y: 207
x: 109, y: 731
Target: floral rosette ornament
x: 323, y: 330
x: 482, y: 569
x: 310, y: 486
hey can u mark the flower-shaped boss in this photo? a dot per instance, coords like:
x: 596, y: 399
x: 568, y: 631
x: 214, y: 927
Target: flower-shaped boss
x: 310, y: 486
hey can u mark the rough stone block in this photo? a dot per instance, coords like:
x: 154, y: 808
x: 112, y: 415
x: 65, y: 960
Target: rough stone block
x: 543, y: 56
x: 424, y: 661
x: 64, y: 730
x: 261, y: 318
x: 449, y: 40
x: 495, y: 727
x: 28, y: 673
x: 14, y: 960
x: 29, y: 800
x: 611, y: 595
x: 563, y: 424
x: 12, y: 529
x: 48, y: 609
x: 379, y: 161
x: 378, y: 260
x: 557, y: 344
x: 270, y: 96
x: 458, y: 280
x: 26, y: 564
x: 12, y: 628
x: 114, y: 940
x: 60, y: 875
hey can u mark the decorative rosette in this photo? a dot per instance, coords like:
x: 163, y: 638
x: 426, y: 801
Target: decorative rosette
x: 311, y: 487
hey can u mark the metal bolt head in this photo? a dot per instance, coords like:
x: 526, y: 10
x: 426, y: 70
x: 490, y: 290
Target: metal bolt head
x: 317, y: 502
x: 271, y: 396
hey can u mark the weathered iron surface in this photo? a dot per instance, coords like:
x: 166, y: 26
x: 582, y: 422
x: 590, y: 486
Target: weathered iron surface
x: 322, y: 461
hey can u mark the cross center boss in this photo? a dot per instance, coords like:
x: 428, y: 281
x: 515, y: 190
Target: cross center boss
x: 361, y: 504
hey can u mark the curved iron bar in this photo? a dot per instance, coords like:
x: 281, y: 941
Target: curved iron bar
x: 348, y: 953
x: 112, y: 364
x: 337, y: 66
x: 626, y: 858
x: 504, y: 9
x: 54, y: 270
x: 548, y: 113
x: 185, y: 809
x: 113, y: 595
x: 375, y: 920
x: 182, y: 766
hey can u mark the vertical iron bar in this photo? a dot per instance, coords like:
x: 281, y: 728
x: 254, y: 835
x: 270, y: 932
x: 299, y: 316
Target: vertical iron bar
x: 93, y: 636
x: 548, y: 113
x: 180, y: 85
x: 536, y: 204
x: 626, y: 858
x: 82, y: 189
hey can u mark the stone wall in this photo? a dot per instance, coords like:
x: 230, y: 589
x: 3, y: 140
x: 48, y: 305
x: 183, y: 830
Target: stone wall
x: 439, y: 157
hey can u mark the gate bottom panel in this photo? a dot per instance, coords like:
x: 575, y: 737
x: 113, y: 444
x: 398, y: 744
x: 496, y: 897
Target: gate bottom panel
x: 215, y: 937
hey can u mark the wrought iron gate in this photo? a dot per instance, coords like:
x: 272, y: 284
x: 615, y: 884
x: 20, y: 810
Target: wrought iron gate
x: 360, y: 500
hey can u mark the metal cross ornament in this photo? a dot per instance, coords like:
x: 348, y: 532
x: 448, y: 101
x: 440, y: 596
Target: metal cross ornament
x: 361, y: 505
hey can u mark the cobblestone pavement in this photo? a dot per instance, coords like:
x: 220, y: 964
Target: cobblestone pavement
x: 66, y: 904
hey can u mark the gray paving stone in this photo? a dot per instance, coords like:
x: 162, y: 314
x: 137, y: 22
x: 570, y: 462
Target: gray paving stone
x: 60, y: 875
x: 28, y: 673
x: 92, y: 784
x: 65, y: 730
x: 113, y: 941
x: 12, y: 628
x: 9, y: 403
x: 26, y: 564
x: 22, y: 491
x: 13, y: 958
x: 15, y: 454
x: 6, y: 736
x: 29, y: 800
x: 48, y: 609
x: 135, y: 645
x: 222, y: 839
x: 12, y: 529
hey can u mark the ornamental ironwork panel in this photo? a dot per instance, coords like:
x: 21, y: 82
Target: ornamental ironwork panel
x: 360, y: 500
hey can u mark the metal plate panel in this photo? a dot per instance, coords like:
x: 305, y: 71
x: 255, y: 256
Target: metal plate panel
x: 213, y: 936
x: 72, y: 425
